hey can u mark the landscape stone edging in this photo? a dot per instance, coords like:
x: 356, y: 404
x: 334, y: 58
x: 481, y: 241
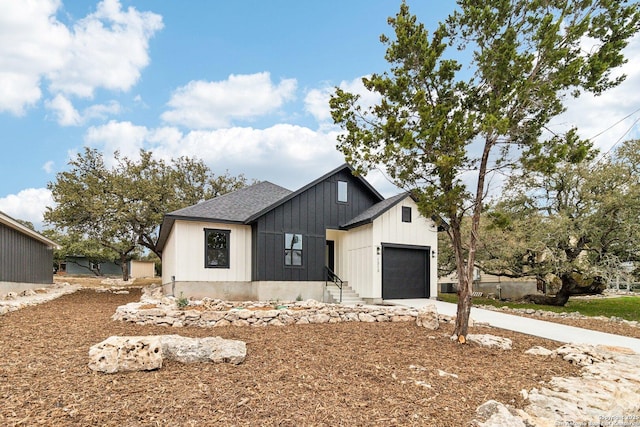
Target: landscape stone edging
x: 13, y: 301
x: 154, y: 309
x: 607, y: 392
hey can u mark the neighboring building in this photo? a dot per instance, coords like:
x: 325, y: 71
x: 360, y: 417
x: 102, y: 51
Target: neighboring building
x: 26, y: 257
x: 80, y: 265
x: 139, y: 269
x: 265, y: 242
x: 492, y: 286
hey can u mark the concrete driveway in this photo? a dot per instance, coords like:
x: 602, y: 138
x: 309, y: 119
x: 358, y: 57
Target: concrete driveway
x: 525, y: 325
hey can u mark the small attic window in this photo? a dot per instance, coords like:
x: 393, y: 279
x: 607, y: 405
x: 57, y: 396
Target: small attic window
x: 406, y: 214
x: 342, y: 191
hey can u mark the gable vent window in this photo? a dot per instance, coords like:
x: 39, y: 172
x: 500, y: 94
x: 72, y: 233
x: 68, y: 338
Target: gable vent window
x: 406, y: 214
x: 216, y: 248
x: 342, y: 192
x: 292, y: 249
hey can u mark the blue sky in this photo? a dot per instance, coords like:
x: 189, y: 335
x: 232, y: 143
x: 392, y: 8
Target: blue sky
x: 241, y: 84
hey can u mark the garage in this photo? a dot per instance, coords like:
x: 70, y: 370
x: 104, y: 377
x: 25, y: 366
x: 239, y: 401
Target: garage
x: 405, y: 271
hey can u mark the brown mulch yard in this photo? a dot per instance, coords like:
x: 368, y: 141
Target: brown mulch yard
x: 332, y: 374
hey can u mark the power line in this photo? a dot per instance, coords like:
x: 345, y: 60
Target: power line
x: 620, y: 139
x: 616, y: 123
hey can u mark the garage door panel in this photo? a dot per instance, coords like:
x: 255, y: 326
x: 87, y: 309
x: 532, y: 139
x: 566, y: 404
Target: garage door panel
x: 405, y: 273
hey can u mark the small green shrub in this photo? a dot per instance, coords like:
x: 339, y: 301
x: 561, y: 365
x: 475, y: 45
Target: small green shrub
x: 182, y: 302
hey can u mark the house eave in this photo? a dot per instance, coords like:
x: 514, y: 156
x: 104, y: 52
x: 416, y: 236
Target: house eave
x: 169, y: 220
x: 14, y: 224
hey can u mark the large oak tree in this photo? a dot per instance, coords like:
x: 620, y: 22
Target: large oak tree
x: 445, y: 114
x: 120, y: 207
x: 576, y: 224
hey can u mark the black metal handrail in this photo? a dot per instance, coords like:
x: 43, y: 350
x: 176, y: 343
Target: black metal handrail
x: 333, y: 277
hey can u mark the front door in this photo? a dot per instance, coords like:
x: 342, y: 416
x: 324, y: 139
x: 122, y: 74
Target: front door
x: 329, y: 255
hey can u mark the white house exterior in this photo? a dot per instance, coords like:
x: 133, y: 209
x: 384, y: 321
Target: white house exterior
x: 265, y: 242
x: 364, y: 248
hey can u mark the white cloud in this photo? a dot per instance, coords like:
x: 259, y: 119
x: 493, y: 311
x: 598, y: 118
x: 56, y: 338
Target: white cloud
x: 48, y: 166
x: 66, y: 114
x: 31, y: 45
x: 213, y: 105
x: 317, y: 100
x: 107, y: 49
x: 124, y: 137
x: 64, y: 111
x: 286, y: 154
x: 593, y: 115
x: 28, y: 205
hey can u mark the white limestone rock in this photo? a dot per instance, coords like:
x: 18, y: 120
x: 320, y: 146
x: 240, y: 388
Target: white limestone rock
x: 319, y: 318
x: 496, y: 414
x: 208, y: 349
x: 121, y: 354
x: 490, y: 341
x: 428, y: 317
x: 366, y: 317
x: 539, y: 351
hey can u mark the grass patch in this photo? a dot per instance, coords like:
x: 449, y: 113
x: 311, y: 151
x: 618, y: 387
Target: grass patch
x: 627, y: 307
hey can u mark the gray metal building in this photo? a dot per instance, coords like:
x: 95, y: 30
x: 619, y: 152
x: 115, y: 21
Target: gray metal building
x: 26, y: 257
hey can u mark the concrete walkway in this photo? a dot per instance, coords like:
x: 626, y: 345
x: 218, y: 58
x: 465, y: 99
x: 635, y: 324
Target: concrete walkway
x: 539, y: 328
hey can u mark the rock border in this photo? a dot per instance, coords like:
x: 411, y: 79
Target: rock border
x: 607, y: 392
x: 13, y: 301
x: 155, y: 308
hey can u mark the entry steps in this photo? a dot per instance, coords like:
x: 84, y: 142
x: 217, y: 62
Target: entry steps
x: 349, y: 296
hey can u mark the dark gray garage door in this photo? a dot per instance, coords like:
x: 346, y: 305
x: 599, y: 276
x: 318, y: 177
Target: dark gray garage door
x: 405, y: 272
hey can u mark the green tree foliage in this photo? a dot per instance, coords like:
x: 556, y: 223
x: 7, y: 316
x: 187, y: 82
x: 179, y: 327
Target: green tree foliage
x: 121, y: 207
x: 441, y: 120
x: 576, y: 222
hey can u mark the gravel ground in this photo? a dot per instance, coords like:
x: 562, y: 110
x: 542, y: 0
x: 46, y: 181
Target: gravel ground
x: 329, y: 375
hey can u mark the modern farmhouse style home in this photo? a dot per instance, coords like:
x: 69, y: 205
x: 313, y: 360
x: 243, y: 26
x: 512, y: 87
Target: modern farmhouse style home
x: 265, y: 242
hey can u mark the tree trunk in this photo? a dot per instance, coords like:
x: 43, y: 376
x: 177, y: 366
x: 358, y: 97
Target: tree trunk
x: 466, y: 267
x: 573, y: 283
x: 125, y: 268
x: 463, y: 310
x: 464, y: 282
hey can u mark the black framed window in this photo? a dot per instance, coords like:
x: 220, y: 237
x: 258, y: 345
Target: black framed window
x: 292, y: 249
x: 342, y: 191
x: 406, y: 214
x: 216, y: 248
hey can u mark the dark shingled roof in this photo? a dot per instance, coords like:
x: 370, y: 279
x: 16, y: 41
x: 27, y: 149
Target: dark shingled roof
x: 234, y: 207
x: 374, y: 211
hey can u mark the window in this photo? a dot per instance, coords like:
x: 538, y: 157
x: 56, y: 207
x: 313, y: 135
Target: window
x: 216, y: 248
x: 406, y: 214
x: 292, y: 249
x: 342, y: 191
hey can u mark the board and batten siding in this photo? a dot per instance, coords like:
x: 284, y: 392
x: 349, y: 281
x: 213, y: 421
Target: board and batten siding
x: 310, y: 213
x: 360, y: 268
x: 184, y: 253
x: 23, y: 259
x: 364, y: 267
